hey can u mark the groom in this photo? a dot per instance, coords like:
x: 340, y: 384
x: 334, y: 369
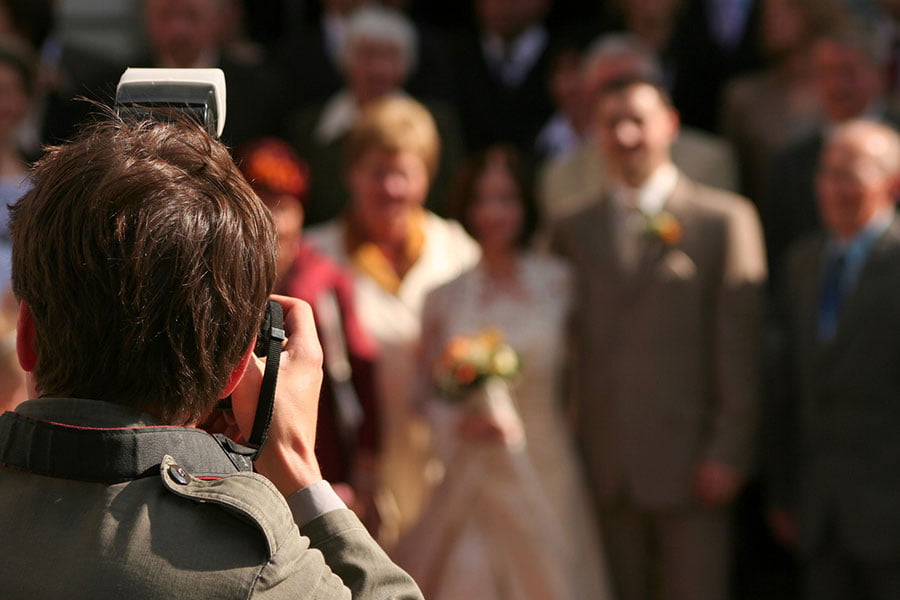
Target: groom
x: 669, y: 278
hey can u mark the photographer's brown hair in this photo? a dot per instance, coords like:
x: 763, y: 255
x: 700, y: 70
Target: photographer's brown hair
x: 146, y: 260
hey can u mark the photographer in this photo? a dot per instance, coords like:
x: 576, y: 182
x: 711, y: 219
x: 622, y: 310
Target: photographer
x: 143, y: 261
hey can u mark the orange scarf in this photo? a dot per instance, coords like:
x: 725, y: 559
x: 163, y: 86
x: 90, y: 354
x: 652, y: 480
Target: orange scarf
x: 369, y: 258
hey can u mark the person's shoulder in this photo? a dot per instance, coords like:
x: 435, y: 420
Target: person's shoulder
x: 578, y: 224
x: 691, y: 139
x: 245, y: 496
x: 887, y: 248
x: 726, y: 215
x: 714, y: 201
x: 802, y: 149
x: 435, y: 223
x: 892, y: 234
x: 450, y: 235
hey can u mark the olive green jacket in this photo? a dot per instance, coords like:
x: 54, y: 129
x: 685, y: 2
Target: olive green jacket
x: 84, y: 514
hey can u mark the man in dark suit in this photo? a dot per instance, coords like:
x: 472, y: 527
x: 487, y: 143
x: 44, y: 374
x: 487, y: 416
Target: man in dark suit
x: 849, y: 78
x: 501, y: 78
x: 669, y: 276
x: 835, y: 474
x: 712, y: 41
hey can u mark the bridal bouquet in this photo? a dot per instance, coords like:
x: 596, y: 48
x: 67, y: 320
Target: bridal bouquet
x: 467, y: 362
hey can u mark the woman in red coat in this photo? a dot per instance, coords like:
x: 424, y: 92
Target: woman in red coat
x: 347, y: 435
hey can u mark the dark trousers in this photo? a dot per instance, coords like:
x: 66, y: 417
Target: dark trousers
x: 668, y: 555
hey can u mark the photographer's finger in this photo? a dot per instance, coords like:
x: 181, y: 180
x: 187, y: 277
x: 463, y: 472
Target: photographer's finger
x: 288, y: 458
x: 300, y: 327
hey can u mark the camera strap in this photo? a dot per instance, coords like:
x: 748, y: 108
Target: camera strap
x: 268, y: 345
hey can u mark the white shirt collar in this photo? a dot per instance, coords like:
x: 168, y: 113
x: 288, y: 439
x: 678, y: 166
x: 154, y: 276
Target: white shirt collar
x: 651, y: 196
x: 512, y: 61
x: 338, y: 115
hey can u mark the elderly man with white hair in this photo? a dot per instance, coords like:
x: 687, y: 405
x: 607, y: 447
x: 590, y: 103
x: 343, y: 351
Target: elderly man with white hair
x: 836, y: 484
x: 379, y: 53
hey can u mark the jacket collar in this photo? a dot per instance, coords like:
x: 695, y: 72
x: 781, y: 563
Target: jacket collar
x: 89, y: 440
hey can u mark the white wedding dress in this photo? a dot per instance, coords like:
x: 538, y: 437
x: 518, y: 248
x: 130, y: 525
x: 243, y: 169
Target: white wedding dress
x: 508, y: 522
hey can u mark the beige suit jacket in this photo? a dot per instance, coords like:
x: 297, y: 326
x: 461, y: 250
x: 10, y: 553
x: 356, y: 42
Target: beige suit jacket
x: 666, y: 353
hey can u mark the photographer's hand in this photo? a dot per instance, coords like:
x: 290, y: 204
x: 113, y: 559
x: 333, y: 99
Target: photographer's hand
x: 287, y: 459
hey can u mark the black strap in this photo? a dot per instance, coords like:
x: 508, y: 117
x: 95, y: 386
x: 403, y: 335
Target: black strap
x: 271, y: 342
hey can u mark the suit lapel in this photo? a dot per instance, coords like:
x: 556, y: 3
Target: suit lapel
x: 808, y: 276
x: 606, y: 254
x: 653, y: 249
x: 611, y: 253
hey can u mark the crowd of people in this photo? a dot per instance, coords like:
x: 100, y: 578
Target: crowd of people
x: 679, y: 215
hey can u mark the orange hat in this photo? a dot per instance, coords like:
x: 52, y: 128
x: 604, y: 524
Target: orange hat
x: 273, y: 168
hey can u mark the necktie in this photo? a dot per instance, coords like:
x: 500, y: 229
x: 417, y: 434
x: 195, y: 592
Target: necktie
x: 629, y: 229
x: 831, y: 296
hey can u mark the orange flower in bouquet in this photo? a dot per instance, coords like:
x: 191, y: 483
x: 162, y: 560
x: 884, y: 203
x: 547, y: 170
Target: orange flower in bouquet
x: 468, y: 361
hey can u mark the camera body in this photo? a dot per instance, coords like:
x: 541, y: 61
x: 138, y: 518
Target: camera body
x: 156, y: 93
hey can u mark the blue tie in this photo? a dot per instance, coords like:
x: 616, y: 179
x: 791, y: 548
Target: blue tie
x: 831, y: 296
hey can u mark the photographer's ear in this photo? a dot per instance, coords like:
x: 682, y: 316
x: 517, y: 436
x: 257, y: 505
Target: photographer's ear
x: 238, y: 372
x: 25, y: 337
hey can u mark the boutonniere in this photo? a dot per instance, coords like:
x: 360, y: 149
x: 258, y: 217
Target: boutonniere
x: 664, y: 227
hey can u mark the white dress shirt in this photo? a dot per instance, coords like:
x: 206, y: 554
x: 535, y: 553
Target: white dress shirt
x: 512, y: 61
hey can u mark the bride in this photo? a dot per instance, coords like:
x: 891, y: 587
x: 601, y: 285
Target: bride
x: 510, y: 519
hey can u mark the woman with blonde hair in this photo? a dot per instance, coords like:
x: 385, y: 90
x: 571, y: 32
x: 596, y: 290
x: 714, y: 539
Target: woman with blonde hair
x: 398, y: 252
